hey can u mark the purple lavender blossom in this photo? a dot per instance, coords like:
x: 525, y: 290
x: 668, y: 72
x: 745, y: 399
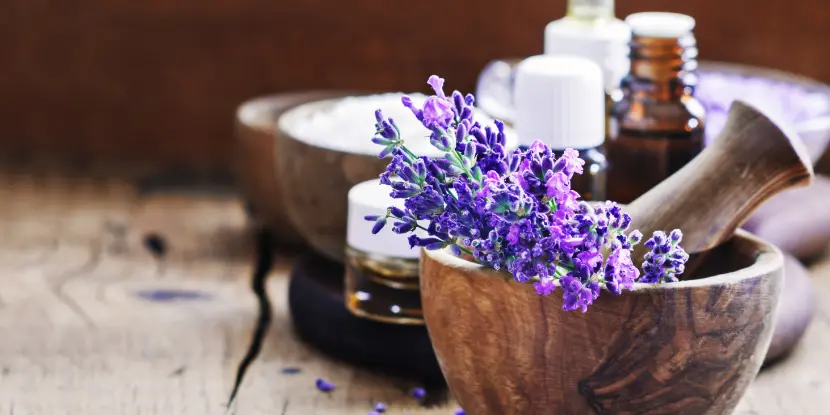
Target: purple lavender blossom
x: 380, y: 407
x: 460, y: 411
x: 513, y: 211
x: 419, y: 393
x: 324, y: 385
x: 666, y: 259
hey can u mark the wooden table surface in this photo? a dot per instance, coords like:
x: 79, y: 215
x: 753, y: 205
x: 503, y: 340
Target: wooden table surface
x: 94, y: 322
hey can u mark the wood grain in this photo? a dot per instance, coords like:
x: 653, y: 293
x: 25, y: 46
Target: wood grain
x: 255, y: 159
x: 316, y: 183
x: 79, y: 337
x: 685, y: 348
x: 92, y: 322
x: 751, y: 160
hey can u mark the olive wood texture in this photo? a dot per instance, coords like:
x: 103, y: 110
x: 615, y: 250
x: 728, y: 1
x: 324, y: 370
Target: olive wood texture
x: 255, y: 163
x: 691, y: 347
x: 752, y: 159
x: 315, y: 182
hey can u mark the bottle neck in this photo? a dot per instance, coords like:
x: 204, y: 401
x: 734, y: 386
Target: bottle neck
x: 662, y: 69
x: 591, y: 10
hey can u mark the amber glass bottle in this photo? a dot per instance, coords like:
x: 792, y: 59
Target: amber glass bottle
x: 657, y: 126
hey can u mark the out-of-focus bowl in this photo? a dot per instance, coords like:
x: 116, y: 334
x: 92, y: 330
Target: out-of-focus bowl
x: 316, y: 177
x: 254, y: 162
x: 800, y: 101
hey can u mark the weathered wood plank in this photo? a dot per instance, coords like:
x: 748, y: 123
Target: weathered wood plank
x: 269, y: 391
x: 92, y: 322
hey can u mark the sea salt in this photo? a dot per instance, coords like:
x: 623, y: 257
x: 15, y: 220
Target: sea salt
x: 787, y: 101
x: 348, y: 124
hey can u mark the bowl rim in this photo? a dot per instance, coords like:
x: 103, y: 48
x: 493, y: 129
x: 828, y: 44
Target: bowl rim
x: 314, y: 105
x: 768, y: 260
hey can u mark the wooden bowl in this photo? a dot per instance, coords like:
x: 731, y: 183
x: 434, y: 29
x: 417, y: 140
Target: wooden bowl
x: 254, y: 162
x: 691, y: 347
x: 316, y: 181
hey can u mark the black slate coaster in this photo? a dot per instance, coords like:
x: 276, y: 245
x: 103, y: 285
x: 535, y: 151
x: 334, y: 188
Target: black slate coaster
x: 320, y: 317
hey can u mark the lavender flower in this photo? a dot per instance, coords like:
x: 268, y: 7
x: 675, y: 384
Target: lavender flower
x: 380, y: 407
x: 512, y: 211
x: 666, y: 259
x: 419, y: 393
x: 324, y: 386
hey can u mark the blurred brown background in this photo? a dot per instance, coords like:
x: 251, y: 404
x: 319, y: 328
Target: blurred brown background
x: 157, y: 80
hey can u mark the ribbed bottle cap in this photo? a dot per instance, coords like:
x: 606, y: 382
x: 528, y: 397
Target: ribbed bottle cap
x: 372, y: 198
x: 560, y: 101
x: 660, y: 24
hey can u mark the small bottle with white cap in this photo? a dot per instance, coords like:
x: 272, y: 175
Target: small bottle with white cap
x: 381, y: 278
x: 657, y: 127
x: 591, y: 30
x: 559, y: 100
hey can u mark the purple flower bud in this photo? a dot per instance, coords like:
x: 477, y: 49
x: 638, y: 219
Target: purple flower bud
x: 470, y: 99
x: 461, y: 133
x: 676, y: 236
x: 458, y: 100
x: 437, y: 84
x: 324, y: 386
x: 379, y: 224
x: 470, y: 150
x: 437, y: 112
x: 380, y: 407
x: 479, y: 134
x: 419, y: 393
x: 371, y: 218
x: 397, y: 212
x: 378, y: 115
x: 466, y: 113
x: 460, y: 412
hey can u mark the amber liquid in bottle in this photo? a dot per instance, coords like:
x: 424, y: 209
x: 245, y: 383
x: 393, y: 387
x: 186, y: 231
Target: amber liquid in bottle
x: 657, y: 125
x: 382, y: 288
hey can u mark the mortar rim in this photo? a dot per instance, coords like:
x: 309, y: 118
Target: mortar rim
x: 768, y: 259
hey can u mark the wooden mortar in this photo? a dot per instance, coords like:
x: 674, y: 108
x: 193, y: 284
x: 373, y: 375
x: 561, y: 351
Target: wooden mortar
x: 691, y: 347
x: 254, y: 162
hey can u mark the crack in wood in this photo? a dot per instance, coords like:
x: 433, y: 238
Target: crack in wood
x: 264, y: 262
x: 86, y: 268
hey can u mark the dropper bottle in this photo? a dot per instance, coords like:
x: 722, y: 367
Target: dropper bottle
x: 657, y: 127
x: 591, y: 30
x: 559, y: 101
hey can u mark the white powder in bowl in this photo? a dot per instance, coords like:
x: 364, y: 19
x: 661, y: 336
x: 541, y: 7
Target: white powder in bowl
x: 348, y: 124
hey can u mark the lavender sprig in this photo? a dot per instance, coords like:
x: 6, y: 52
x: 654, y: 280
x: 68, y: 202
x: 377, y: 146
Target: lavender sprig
x: 512, y: 210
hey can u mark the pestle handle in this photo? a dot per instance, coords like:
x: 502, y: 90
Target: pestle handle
x: 708, y: 199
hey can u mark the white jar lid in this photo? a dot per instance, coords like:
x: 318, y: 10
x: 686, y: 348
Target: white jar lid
x: 560, y: 101
x: 660, y: 24
x: 372, y: 198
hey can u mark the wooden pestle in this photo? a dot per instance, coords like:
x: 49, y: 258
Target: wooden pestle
x: 708, y: 199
